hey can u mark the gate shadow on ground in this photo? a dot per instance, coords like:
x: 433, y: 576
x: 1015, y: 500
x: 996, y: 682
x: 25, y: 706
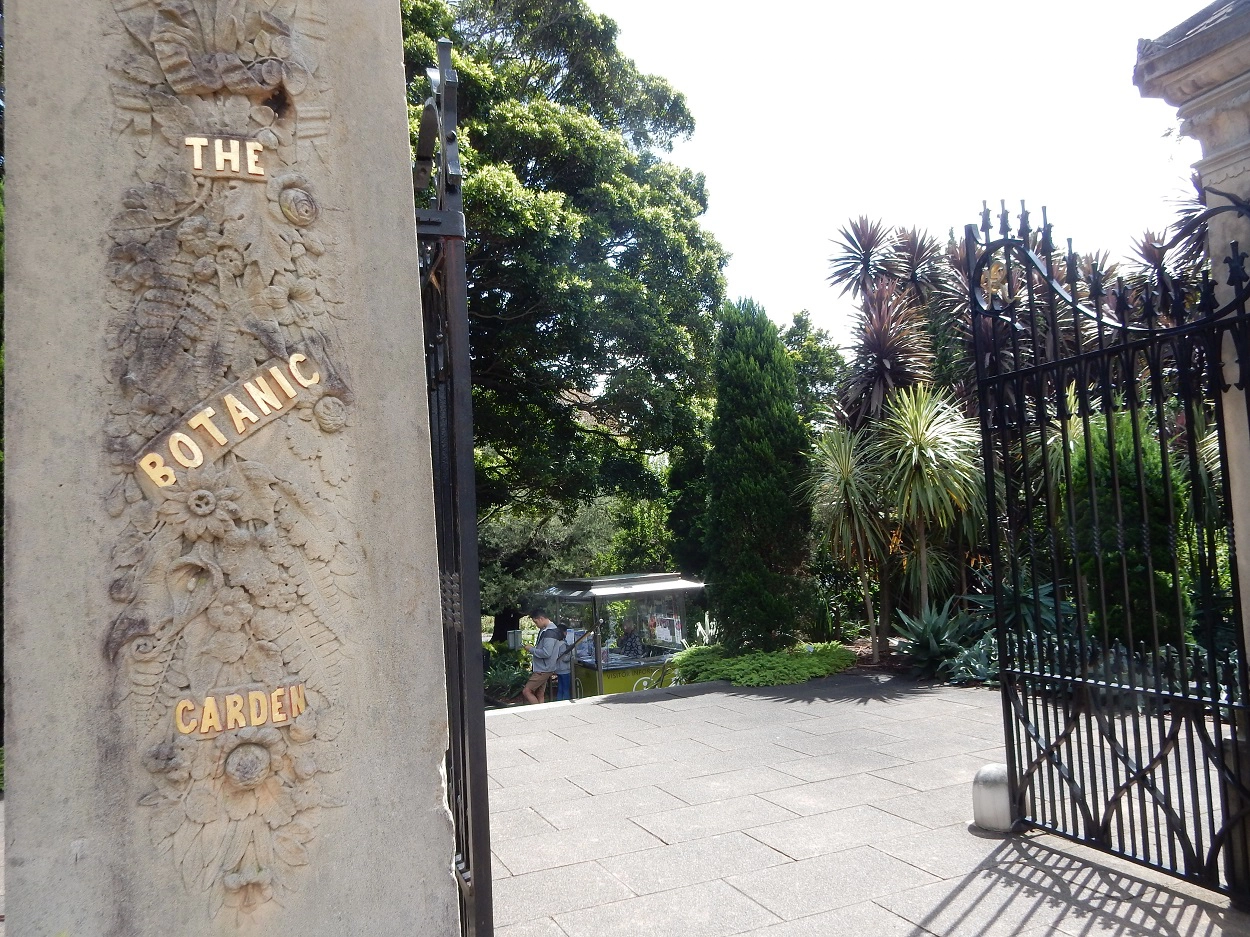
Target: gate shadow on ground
x: 1038, y: 884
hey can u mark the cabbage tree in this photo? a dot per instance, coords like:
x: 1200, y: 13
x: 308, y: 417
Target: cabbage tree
x: 930, y: 466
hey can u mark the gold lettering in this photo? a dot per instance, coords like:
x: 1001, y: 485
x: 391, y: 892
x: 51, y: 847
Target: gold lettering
x: 298, y: 703
x: 202, y: 421
x: 192, y: 457
x: 239, y: 413
x: 263, y: 397
x: 296, y: 373
x: 277, y: 716
x: 223, y: 156
x: 235, y: 717
x: 157, y: 470
x: 282, y: 382
x: 211, y: 720
x: 258, y: 705
x: 254, y: 150
x: 185, y: 706
x: 197, y: 145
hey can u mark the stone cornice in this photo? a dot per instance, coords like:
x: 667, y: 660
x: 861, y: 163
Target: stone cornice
x: 1210, y: 49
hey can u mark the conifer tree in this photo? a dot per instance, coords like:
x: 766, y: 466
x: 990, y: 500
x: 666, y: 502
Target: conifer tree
x: 757, y: 520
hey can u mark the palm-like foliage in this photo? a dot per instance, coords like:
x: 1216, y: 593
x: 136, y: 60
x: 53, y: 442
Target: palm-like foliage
x: 846, y: 495
x: 892, y: 351
x: 866, y: 254
x: 920, y: 263
x: 929, y: 452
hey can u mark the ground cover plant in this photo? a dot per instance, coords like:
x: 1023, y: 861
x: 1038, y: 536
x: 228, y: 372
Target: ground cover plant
x: 506, y: 672
x: 796, y: 664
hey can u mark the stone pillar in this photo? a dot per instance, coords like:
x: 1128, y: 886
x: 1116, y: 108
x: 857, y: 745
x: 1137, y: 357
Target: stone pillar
x: 226, y: 708
x: 1202, y: 67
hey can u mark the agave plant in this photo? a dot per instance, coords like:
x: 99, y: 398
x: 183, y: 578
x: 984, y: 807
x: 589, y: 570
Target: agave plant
x: 976, y: 664
x: 935, y: 637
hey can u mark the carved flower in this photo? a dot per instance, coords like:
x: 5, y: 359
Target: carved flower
x: 248, y: 765
x: 305, y: 301
x: 203, y: 507
x: 253, y: 757
x: 205, y: 269
x: 263, y: 661
x: 248, y: 887
x: 230, y: 610
x: 294, y: 195
x: 330, y: 413
x: 197, y: 237
x: 279, y: 594
x: 172, y: 759
x: 132, y: 267
x: 230, y: 261
x: 227, y: 646
x: 268, y: 624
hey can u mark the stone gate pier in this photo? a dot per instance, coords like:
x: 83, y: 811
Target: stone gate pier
x: 224, y: 669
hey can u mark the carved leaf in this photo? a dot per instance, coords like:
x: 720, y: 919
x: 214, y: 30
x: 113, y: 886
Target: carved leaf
x: 289, y: 849
x: 248, y: 230
x: 257, y: 498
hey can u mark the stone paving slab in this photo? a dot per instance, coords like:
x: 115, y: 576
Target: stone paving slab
x: 840, y: 807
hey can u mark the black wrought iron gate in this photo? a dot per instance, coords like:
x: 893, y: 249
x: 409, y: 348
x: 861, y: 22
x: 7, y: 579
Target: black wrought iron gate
x: 1108, y: 411
x: 441, y: 232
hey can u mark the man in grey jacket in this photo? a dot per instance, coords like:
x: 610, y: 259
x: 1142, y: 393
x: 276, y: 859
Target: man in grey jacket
x: 543, y: 657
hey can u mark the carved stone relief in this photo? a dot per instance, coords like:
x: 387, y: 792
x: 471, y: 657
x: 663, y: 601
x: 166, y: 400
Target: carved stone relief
x: 229, y: 430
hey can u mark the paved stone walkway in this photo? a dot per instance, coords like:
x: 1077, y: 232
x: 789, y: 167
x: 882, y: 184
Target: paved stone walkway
x: 841, y: 807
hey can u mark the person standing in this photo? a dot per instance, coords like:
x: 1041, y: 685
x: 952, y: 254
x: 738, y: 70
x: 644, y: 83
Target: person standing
x: 564, y: 664
x: 543, y: 656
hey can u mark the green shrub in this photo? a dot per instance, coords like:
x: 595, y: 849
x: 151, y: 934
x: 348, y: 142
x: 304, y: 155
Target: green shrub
x: 1130, y: 502
x: 797, y: 664
x: 1021, y: 610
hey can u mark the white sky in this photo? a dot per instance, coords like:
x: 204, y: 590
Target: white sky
x: 914, y: 111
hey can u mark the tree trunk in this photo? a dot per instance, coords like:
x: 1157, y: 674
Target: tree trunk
x: 882, y: 643
x: 509, y: 619
x: 924, y: 567
x: 872, y: 622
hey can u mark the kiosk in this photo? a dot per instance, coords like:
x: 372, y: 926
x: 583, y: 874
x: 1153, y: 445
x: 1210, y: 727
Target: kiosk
x: 625, y: 629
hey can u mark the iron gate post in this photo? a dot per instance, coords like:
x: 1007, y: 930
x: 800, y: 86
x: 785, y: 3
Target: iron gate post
x: 441, y: 233
x: 985, y: 405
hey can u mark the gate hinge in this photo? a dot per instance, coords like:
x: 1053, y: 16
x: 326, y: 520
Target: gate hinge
x: 432, y: 222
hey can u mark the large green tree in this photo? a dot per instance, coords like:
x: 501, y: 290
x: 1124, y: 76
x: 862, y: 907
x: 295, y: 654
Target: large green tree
x: 757, y: 521
x: 592, y: 286
x: 819, y: 368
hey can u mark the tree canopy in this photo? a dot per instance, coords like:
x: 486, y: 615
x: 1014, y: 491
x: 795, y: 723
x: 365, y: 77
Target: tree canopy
x: 591, y: 283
